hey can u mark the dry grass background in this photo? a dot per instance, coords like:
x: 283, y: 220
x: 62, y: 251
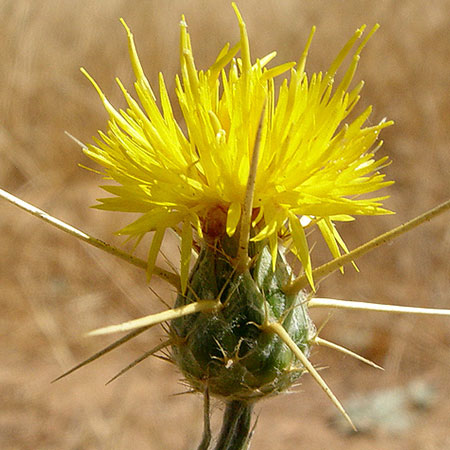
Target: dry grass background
x: 53, y: 289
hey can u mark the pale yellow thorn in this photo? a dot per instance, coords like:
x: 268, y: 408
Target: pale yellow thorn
x: 170, y: 277
x: 325, y: 269
x: 102, y: 352
x: 278, y: 329
x: 164, y: 316
x: 247, y: 208
x: 77, y: 141
x: 348, y: 304
x: 319, y: 341
x: 151, y: 352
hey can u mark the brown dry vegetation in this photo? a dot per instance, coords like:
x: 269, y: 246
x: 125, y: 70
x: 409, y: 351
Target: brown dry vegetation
x: 53, y: 289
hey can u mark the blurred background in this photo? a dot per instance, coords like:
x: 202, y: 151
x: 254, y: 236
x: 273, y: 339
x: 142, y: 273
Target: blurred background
x: 53, y: 289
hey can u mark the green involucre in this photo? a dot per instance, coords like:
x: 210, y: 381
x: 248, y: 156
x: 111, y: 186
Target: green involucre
x: 227, y: 351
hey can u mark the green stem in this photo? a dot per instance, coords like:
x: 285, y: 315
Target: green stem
x: 236, y: 427
x: 206, y: 440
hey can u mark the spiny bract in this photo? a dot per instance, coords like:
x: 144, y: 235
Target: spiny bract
x: 227, y: 352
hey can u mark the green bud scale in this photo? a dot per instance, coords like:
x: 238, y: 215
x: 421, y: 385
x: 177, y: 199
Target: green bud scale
x: 228, y: 351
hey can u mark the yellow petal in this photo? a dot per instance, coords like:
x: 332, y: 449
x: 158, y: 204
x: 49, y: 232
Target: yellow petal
x: 154, y: 250
x: 233, y: 217
x: 301, y: 245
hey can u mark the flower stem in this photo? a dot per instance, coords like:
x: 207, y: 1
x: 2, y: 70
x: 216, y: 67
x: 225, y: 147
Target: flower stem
x: 236, y: 426
x: 206, y: 440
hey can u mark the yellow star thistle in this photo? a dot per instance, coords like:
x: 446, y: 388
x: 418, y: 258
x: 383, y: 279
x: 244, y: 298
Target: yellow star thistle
x: 250, y: 162
x: 312, y: 164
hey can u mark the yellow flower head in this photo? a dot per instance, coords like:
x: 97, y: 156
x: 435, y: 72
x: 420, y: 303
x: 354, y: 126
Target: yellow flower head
x: 312, y: 167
